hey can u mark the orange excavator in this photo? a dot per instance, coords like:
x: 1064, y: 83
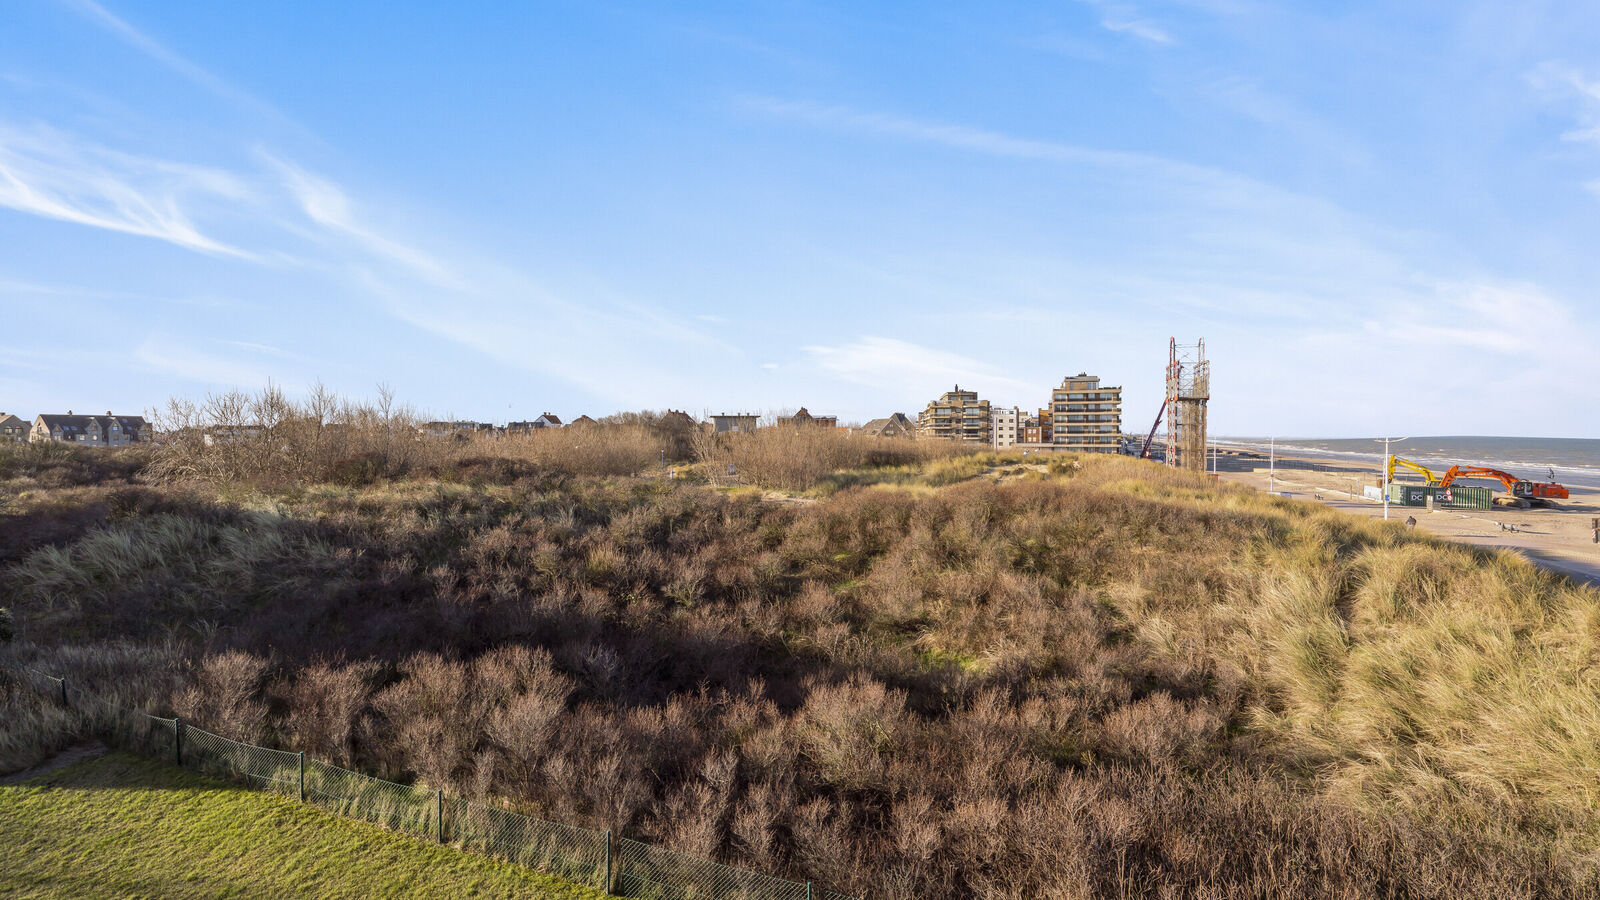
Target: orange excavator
x: 1522, y: 493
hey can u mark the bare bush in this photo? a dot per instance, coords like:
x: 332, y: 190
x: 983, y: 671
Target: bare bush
x: 268, y: 437
x: 326, y: 707
x: 227, y: 695
x: 1089, y: 684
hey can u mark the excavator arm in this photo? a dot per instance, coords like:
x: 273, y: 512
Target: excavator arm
x: 1420, y: 469
x: 1520, y: 488
x: 1455, y: 472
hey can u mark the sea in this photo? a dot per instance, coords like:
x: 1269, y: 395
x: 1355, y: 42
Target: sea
x: 1574, y: 462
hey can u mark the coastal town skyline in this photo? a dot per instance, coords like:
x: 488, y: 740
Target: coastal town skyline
x: 626, y: 208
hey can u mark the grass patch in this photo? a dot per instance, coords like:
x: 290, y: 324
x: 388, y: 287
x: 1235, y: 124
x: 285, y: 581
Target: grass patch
x: 121, y: 826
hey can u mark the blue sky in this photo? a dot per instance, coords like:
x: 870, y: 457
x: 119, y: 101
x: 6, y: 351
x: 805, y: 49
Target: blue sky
x: 1381, y: 217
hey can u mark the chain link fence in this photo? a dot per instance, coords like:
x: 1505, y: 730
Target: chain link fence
x: 645, y: 871
x: 576, y: 854
x: 397, y: 807
x: 617, y: 866
x: 258, y: 767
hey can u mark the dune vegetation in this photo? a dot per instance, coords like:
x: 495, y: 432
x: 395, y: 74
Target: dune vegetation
x: 897, y: 668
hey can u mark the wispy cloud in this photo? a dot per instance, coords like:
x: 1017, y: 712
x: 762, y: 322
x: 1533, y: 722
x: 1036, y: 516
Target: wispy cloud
x: 976, y: 140
x: 165, y: 352
x: 326, y: 204
x: 1511, y: 320
x: 155, y: 50
x: 1125, y: 18
x: 265, y: 349
x: 1568, y: 85
x: 960, y: 137
x: 48, y: 173
x: 901, y: 368
x: 1144, y: 29
x: 1575, y: 84
x: 1247, y: 97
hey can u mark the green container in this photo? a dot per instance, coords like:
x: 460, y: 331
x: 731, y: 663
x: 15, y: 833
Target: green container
x: 1452, y: 497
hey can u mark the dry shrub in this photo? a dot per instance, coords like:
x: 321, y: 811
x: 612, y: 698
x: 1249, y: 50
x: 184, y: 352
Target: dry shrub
x: 227, y: 695
x: 1098, y: 684
x: 268, y: 438
x: 594, y: 450
x: 848, y: 730
x: 326, y: 709
x: 798, y: 458
x: 56, y: 464
x: 107, y: 684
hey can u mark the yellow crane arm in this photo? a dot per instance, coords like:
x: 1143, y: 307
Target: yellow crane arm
x: 1420, y: 469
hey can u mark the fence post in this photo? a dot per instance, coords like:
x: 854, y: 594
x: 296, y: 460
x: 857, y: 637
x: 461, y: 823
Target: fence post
x: 63, y: 692
x: 608, y: 862
x: 438, y: 815
x: 302, y: 776
x: 177, y: 741
x: 808, y: 890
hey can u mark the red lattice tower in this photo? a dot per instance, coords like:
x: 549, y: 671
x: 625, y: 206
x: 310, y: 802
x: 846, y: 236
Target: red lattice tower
x: 1188, y: 389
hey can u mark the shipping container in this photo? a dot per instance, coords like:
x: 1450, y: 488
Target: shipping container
x: 1452, y: 497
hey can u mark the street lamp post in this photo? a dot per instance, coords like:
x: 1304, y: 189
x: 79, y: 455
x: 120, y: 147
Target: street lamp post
x: 1386, y: 442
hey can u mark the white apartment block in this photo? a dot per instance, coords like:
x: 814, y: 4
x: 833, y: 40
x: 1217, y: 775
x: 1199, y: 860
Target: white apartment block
x: 1007, y: 425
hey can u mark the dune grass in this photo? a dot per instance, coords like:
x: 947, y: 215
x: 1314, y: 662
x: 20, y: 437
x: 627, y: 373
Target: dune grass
x: 122, y: 826
x: 965, y: 675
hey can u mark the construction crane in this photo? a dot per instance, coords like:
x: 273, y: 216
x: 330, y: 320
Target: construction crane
x: 1523, y: 493
x: 1145, y: 453
x: 1420, y: 469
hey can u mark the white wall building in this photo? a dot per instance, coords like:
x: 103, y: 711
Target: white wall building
x: 1007, y: 424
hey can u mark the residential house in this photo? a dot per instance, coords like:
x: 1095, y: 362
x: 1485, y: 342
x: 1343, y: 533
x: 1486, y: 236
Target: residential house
x: 13, y: 429
x: 460, y: 430
x: 581, y: 420
x: 957, y: 415
x: 95, y: 431
x: 897, y: 425
x: 737, y: 422
x: 804, y: 417
x: 228, y: 434
x: 547, y: 420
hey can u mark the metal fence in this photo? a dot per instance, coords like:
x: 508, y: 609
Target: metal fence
x: 618, y: 866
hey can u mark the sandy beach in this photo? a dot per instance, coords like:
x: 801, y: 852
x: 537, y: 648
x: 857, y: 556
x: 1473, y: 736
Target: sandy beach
x: 1562, y: 539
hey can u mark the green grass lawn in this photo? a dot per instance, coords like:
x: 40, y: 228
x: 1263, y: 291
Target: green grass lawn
x: 123, y: 826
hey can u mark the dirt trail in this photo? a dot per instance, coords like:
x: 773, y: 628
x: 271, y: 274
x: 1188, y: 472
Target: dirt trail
x: 60, y: 761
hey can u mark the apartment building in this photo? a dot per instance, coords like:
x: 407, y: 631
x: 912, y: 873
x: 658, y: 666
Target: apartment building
x: 958, y: 415
x: 1086, y: 416
x: 1005, y: 424
x: 1035, y: 429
